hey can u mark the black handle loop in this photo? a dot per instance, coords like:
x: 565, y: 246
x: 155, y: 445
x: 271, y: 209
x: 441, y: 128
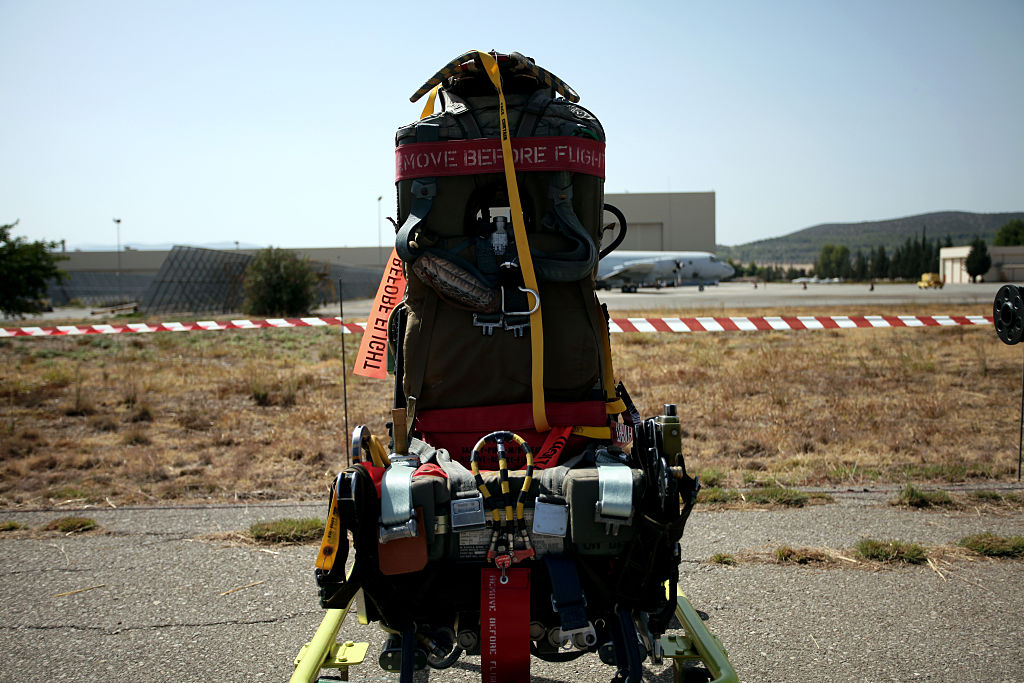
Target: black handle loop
x: 622, y: 230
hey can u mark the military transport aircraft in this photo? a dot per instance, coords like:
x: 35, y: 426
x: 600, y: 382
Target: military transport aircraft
x: 632, y: 269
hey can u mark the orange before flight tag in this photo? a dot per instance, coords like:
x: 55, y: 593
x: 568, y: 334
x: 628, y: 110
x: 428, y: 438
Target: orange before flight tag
x: 372, y: 359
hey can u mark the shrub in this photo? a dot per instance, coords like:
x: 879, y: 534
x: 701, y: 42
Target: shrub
x: 891, y: 551
x: 142, y: 413
x: 777, y: 495
x: 288, y: 531
x: 103, y: 423
x: 81, y: 402
x: 195, y: 420
x: 712, y: 477
x: 996, y: 498
x: 992, y: 545
x: 787, y: 553
x: 919, y: 498
x: 136, y: 436
x: 278, y: 283
x: 714, y: 494
x: 70, y: 525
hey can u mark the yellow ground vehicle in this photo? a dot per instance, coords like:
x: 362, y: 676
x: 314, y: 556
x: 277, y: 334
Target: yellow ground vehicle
x: 930, y: 281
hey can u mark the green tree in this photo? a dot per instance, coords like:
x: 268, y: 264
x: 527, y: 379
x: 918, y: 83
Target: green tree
x: 1010, y: 234
x: 879, y: 264
x: 278, y: 283
x: 978, y: 260
x: 25, y: 268
x: 860, y: 266
x: 833, y: 261
x: 793, y: 273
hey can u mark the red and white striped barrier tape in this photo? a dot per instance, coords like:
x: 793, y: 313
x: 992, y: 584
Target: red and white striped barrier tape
x: 799, y: 322
x: 743, y: 324
x: 202, y: 325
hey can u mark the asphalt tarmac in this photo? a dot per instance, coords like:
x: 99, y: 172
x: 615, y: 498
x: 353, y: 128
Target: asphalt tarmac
x: 167, y: 595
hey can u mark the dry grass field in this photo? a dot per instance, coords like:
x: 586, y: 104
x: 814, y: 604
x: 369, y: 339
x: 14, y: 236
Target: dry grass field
x: 243, y: 415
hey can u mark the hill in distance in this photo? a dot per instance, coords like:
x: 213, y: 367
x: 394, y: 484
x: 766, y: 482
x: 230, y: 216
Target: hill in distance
x: 804, y: 246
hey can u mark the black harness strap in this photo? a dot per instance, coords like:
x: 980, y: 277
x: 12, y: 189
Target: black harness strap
x: 423, y: 191
x: 566, y: 593
x: 532, y: 111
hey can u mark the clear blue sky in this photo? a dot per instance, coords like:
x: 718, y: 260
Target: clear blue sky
x: 272, y: 123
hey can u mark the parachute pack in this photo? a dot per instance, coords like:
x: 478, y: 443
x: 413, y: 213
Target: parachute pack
x: 521, y: 506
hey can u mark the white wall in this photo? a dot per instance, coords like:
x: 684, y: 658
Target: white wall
x: 668, y: 221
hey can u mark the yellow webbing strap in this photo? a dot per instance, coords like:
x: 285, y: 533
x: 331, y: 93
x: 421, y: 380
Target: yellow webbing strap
x: 540, y: 420
x: 428, y: 109
x: 332, y: 537
x: 613, y: 404
x: 379, y: 452
x: 603, y: 433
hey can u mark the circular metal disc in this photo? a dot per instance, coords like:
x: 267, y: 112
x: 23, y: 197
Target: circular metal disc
x: 1008, y: 314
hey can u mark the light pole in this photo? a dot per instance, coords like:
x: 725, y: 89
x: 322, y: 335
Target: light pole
x: 380, y: 244
x: 120, y: 295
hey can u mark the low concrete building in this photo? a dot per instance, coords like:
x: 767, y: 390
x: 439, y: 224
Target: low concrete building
x: 1007, y: 264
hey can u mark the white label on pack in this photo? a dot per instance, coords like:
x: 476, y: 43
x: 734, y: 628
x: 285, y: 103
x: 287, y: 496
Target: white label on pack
x: 550, y: 519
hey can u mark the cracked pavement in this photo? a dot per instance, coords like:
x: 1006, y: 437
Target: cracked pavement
x: 154, y: 597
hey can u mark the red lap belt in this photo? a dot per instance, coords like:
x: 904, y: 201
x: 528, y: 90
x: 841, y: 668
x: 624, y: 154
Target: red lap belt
x: 504, y: 626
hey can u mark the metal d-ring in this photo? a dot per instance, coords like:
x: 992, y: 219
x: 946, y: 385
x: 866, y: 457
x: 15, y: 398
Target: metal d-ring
x: 527, y: 290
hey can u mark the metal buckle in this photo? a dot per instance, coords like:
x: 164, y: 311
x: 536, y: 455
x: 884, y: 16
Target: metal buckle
x: 397, y: 519
x: 488, y: 324
x: 391, y: 533
x: 468, y: 512
x: 582, y: 638
x: 614, y: 505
